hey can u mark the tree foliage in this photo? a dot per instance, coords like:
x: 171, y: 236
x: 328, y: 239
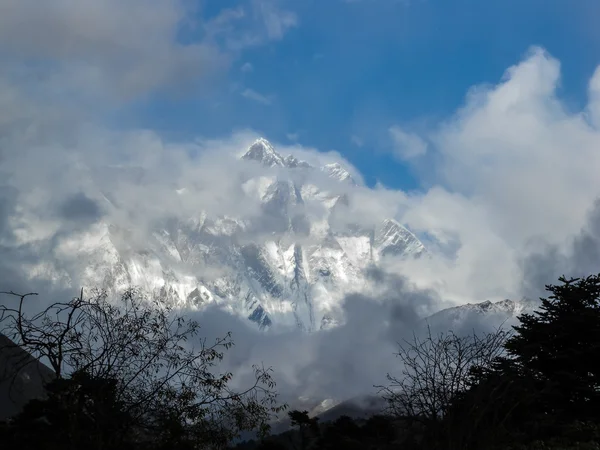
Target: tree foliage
x: 435, y: 369
x: 557, y: 345
x: 131, y: 369
x: 149, y: 366
x: 546, y: 389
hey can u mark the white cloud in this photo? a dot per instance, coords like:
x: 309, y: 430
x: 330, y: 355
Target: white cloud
x: 513, y: 165
x: 517, y: 149
x: 356, y: 140
x: 407, y: 145
x: 257, y: 97
x: 277, y: 22
x: 124, y: 46
x: 250, y: 25
x: 247, y: 67
x: 340, y: 363
x: 85, y: 49
x: 594, y: 105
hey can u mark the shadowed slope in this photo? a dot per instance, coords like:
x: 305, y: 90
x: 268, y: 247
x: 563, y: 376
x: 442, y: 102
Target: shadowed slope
x: 22, y: 377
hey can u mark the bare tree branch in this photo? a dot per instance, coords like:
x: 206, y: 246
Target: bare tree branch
x: 156, y: 357
x: 435, y: 370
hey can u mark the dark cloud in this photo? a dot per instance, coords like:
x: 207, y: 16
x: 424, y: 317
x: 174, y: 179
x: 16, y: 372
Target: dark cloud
x: 80, y: 208
x: 585, y: 256
x: 581, y: 257
x: 8, y: 199
x: 542, y: 267
x: 340, y: 363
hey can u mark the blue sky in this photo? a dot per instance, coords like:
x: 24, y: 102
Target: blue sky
x: 354, y: 68
x: 88, y: 86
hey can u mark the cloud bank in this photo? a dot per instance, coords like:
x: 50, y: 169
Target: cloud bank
x: 514, y: 175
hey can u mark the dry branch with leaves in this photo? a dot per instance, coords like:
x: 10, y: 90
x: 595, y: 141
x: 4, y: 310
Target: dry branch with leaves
x: 435, y: 369
x: 162, y: 368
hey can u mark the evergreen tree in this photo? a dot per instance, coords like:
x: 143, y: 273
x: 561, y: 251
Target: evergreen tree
x: 559, y: 347
x: 546, y: 388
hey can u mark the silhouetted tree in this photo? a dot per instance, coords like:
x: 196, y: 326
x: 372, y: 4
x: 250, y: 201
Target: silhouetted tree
x: 156, y: 375
x: 344, y: 433
x: 435, y: 369
x: 308, y: 427
x: 559, y: 345
x: 270, y: 444
x: 78, y: 412
x: 381, y: 430
x: 492, y: 412
x: 545, y: 391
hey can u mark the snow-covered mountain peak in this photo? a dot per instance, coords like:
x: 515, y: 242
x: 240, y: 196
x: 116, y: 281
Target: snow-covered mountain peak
x: 290, y: 262
x: 394, y: 239
x: 338, y: 172
x: 292, y: 162
x: 499, y: 311
x: 262, y: 151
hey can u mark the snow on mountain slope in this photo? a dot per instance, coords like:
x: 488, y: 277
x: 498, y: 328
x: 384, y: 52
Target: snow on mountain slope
x: 263, y: 151
x: 287, y: 267
x: 487, y: 312
x: 337, y: 172
x: 393, y: 239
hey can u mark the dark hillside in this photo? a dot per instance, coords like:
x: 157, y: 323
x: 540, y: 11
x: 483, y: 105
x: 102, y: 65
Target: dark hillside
x: 21, y: 377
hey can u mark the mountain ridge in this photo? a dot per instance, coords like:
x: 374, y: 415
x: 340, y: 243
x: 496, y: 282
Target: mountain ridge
x: 296, y: 274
